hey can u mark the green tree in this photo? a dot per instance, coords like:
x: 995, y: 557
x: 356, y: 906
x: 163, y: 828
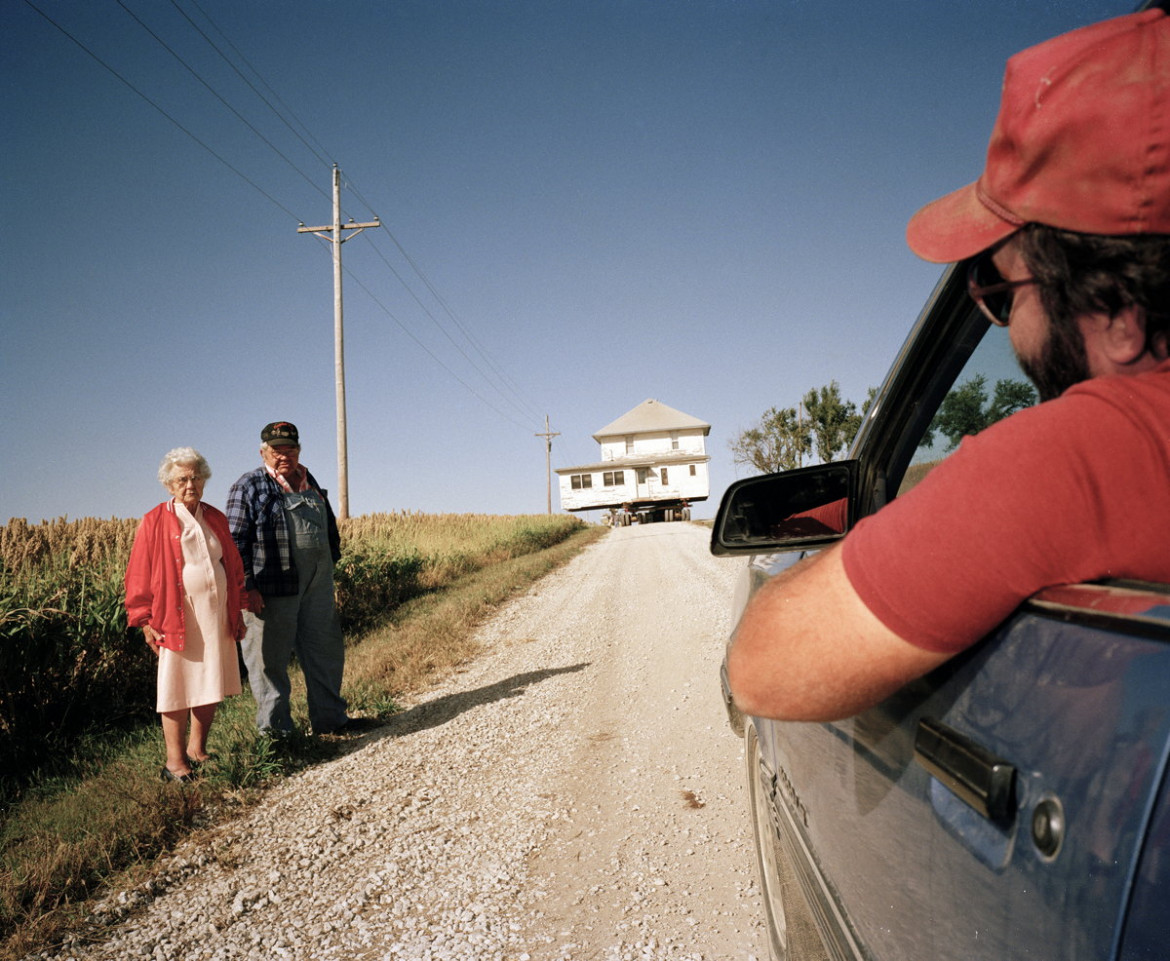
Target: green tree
x: 833, y: 421
x: 779, y: 442
x: 967, y: 410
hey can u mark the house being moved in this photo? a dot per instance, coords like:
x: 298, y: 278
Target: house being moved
x: 653, y: 466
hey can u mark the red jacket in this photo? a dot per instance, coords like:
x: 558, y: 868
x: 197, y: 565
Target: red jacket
x: 154, y: 576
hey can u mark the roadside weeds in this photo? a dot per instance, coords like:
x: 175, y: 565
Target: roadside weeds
x: 72, y: 838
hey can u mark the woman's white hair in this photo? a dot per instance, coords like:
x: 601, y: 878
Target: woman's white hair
x: 181, y: 457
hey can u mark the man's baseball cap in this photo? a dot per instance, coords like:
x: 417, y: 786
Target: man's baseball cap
x: 280, y: 433
x: 1082, y: 142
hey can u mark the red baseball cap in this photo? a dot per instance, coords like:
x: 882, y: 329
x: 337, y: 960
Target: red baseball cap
x: 1082, y: 142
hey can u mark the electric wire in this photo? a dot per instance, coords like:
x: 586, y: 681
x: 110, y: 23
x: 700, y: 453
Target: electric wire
x: 414, y: 266
x: 409, y: 333
x: 454, y: 343
x: 239, y: 116
x: 519, y: 403
x: 214, y: 46
x: 105, y: 66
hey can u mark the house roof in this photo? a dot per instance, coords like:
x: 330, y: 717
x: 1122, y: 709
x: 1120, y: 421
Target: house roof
x: 651, y: 417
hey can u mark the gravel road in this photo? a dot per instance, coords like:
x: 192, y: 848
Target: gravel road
x: 575, y: 793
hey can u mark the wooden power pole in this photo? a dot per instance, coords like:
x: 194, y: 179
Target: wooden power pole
x: 548, y: 435
x: 333, y: 233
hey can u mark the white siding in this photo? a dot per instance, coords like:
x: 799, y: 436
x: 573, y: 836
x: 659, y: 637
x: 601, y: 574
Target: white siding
x: 613, y: 448
x: 645, y: 436
x: 680, y: 483
x: 598, y: 494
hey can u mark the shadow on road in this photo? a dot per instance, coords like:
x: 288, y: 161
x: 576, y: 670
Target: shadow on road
x: 446, y: 708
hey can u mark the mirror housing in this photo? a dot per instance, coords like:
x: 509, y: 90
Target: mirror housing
x: 795, y: 510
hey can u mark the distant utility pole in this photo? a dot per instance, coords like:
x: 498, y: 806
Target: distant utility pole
x: 548, y: 435
x: 333, y: 233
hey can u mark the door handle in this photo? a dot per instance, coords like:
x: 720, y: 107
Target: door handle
x: 978, y: 777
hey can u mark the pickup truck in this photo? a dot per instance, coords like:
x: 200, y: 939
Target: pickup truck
x: 1013, y: 804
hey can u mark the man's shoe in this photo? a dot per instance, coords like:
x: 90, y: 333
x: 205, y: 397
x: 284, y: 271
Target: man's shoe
x: 355, y: 725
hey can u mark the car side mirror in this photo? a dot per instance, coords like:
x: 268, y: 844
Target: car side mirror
x: 794, y: 510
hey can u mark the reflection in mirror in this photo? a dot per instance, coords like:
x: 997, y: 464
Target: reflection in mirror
x: 793, y: 510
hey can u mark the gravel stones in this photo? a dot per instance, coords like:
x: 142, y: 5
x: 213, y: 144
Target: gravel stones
x: 575, y: 793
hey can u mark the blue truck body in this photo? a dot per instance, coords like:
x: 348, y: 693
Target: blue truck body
x: 1011, y: 805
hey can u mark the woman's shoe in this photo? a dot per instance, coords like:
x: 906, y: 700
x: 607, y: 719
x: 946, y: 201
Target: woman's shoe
x: 166, y: 774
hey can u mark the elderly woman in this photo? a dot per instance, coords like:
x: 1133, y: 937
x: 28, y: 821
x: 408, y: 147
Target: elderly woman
x: 185, y: 589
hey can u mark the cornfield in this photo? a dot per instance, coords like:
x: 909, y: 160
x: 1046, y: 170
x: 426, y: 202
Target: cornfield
x: 69, y: 666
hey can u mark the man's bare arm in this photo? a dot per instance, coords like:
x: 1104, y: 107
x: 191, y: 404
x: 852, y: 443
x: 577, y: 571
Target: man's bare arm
x: 808, y: 649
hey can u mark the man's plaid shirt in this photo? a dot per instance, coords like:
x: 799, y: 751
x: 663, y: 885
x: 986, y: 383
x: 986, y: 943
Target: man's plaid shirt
x: 255, y: 512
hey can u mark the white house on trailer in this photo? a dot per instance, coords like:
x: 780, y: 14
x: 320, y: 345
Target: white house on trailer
x: 653, y: 466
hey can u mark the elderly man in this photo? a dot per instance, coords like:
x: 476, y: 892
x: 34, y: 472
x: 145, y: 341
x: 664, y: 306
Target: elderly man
x: 1067, y: 238
x: 286, y: 533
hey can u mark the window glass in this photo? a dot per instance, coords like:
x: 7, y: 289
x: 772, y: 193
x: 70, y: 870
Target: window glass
x: 990, y: 387
x: 665, y: 479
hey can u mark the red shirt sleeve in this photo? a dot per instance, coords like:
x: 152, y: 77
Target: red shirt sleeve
x: 1072, y: 490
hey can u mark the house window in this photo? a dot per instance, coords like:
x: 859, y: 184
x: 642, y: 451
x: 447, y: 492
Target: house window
x: 629, y: 443
x: 674, y: 440
x: 614, y: 478
x: 643, y: 473
x: 692, y: 470
x: 665, y: 480
x: 581, y: 481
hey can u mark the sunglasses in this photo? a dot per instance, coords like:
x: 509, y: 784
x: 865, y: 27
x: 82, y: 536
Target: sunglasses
x: 990, y: 291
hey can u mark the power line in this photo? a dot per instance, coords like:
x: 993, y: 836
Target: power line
x: 119, y: 77
x: 279, y: 153
x: 239, y: 116
x: 406, y: 330
x: 519, y: 401
x: 499, y: 373
x: 441, y: 328
x: 257, y: 75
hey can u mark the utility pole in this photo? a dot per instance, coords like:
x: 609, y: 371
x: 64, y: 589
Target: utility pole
x: 548, y: 435
x: 333, y: 233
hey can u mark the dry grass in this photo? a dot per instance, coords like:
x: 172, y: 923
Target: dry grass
x: 27, y: 549
x: 105, y: 819
x: 431, y: 634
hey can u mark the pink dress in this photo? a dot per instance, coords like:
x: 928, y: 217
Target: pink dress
x: 207, y: 669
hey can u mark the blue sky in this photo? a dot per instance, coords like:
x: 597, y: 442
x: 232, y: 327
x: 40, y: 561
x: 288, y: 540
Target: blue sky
x: 586, y: 203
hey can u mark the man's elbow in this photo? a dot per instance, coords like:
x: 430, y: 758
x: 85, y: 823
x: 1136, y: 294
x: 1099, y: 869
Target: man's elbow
x: 782, y: 688
x: 757, y: 689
